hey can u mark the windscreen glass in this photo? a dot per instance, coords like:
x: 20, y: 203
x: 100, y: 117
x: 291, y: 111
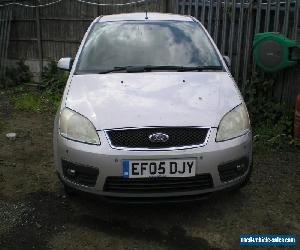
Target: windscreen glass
x: 154, y: 43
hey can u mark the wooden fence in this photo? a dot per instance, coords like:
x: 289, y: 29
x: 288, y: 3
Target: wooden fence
x: 56, y: 31
x: 5, y: 25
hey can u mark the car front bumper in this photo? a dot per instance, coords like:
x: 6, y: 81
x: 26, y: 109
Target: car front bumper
x: 108, y: 163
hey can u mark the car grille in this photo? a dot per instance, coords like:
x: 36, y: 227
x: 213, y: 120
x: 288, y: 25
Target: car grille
x: 158, y: 185
x: 139, y: 138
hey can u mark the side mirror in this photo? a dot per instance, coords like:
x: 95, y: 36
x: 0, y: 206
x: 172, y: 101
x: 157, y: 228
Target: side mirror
x: 65, y: 63
x: 227, y: 61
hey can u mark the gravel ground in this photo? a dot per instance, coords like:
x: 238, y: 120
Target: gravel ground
x: 36, y: 214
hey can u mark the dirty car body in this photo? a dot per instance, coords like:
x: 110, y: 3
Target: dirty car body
x: 151, y: 112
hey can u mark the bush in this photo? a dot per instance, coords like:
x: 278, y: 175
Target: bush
x: 272, y: 122
x: 47, y: 96
x: 18, y: 75
x: 54, y: 79
x: 53, y: 83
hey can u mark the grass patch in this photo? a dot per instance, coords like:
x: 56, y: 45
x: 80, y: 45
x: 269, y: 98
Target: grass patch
x: 27, y: 102
x: 27, y: 99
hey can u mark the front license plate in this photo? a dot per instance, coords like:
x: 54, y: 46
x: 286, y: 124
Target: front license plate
x: 159, y: 168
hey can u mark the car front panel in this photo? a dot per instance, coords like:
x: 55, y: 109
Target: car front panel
x: 109, y: 161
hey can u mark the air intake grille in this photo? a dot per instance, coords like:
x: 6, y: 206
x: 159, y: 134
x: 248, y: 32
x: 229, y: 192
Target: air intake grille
x: 158, y: 185
x: 233, y: 170
x: 82, y: 175
x: 139, y: 138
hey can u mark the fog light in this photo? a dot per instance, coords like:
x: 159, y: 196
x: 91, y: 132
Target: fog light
x: 233, y: 169
x: 71, y: 172
x: 82, y: 175
x: 240, y: 167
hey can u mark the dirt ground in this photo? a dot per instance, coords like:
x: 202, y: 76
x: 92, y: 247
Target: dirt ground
x: 36, y: 214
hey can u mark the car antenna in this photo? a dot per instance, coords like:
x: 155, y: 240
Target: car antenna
x: 146, y: 10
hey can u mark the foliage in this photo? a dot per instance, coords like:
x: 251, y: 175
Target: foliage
x: 54, y: 79
x: 18, y: 75
x: 272, y: 122
x: 48, y: 94
x: 53, y: 82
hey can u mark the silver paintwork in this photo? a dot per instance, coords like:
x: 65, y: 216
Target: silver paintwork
x: 109, y: 161
x: 140, y: 16
x: 143, y: 99
x: 150, y: 99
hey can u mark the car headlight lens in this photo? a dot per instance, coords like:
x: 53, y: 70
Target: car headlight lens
x: 234, y: 124
x: 76, y: 127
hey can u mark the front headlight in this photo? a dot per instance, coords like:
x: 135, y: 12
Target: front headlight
x: 234, y: 124
x: 76, y: 127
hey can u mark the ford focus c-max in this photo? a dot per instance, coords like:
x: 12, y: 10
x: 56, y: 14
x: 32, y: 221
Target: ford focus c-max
x: 150, y: 112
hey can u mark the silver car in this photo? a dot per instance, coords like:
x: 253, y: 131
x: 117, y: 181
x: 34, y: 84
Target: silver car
x: 151, y: 112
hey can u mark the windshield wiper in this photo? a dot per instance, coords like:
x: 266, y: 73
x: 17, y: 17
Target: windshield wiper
x: 136, y: 69
x: 201, y: 68
x: 115, y: 69
x: 177, y: 68
x: 181, y: 68
x: 162, y: 67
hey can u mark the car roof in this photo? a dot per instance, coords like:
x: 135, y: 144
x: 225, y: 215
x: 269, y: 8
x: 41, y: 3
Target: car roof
x: 140, y: 16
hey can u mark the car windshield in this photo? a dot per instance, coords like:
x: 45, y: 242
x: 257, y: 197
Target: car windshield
x: 146, y: 43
